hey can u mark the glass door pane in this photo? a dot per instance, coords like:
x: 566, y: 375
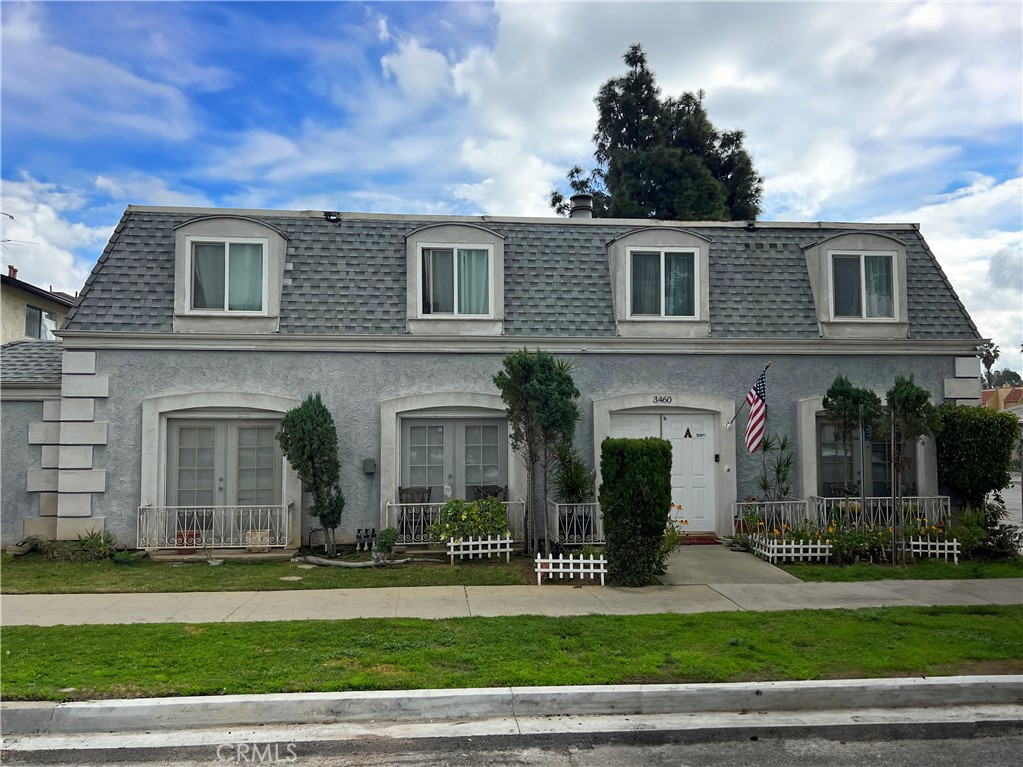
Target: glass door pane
x: 197, y: 476
x: 257, y: 470
x: 427, y: 459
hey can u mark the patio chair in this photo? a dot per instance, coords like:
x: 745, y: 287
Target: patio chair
x: 500, y: 492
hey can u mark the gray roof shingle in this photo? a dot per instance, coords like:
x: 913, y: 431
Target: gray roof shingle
x: 31, y: 362
x: 349, y: 277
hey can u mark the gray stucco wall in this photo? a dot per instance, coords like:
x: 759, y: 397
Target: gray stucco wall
x: 17, y: 458
x: 353, y: 385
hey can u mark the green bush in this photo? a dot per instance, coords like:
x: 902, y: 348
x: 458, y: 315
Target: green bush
x: 635, y: 500
x: 461, y: 519
x: 975, y: 450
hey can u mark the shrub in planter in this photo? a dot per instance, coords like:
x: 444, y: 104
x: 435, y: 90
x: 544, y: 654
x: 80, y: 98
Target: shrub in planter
x: 635, y: 500
x: 460, y: 519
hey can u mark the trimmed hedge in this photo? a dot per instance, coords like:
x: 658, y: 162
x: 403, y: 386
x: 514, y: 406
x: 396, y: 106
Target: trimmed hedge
x: 975, y: 450
x: 635, y: 501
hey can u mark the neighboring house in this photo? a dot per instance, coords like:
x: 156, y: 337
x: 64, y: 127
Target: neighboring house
x: 199, y: 328
x: 29, y: 311
x: 1003, y: 398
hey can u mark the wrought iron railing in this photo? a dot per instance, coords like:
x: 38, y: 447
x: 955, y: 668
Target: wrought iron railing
x: 212, y: 527
x: 575, y: 523
x: 817, y: 513
x: 413, y: 520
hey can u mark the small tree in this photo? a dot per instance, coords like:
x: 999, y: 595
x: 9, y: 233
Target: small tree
x: 635, y: 502
x: 540, y: 395
x: 909, y: 405
x: 975, y: 451
x: 848, y: 409
x: 308, y: 440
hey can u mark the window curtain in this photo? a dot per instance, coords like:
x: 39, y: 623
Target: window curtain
x: 208, y: 275
x: 245, y: 293
x: 846, y: 278
x: 438, y: 282
x: 679, y: 285
x: 646, y: 283
x: 473, y: 282
x: 880, y: 286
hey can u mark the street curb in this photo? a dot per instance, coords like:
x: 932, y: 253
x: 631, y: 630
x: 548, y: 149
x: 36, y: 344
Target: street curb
x: 485, y: 703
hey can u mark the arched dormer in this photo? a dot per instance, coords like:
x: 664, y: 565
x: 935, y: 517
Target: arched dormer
x: 659, y: 283
x: 455, y: 280
x: 859, y: 285
x: 228, y: 275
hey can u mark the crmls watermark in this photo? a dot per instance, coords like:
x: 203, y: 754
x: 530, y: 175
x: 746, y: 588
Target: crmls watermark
x: 257, y: 753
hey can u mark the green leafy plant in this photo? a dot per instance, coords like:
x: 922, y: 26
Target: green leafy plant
x: 674, y: 535
x: 386, y: 539
x: 975, y: 450
x: 778, y: 460
x: 573, y: 482
x: 849, y: 409
x: 308, y: 440
x: 460, y: 519
x: 635, y: 500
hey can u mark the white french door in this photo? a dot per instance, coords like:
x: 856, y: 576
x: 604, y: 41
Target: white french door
x: 223, y: 463
x: 452, y: 456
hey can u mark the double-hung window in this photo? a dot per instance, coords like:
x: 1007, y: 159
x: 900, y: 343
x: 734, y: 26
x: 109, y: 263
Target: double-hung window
x: 663, y: 283
x: 863, y: 285
x: 228, y: 275
x: 456, y: 281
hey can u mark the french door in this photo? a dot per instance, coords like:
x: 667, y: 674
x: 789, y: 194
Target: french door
x: 223, y: 463
x: 452, y: 456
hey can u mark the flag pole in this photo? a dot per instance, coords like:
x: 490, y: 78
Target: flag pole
x: 739, y: 411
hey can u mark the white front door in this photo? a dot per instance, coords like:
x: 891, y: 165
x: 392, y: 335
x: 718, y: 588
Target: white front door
x: 692, y: 459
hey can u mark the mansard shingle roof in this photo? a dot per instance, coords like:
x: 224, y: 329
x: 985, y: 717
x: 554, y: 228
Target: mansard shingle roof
x: 349, y: 277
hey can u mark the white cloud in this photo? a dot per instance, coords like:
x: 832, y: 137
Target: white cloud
x: 51, y: 89
x: 144, y: 189
x: 53, y: 251
x: 422, y: 74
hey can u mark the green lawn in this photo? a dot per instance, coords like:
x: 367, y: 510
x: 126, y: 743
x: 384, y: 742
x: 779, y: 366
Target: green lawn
x: 82, y: 662
x: 34, y: 574
x: 923, y: 569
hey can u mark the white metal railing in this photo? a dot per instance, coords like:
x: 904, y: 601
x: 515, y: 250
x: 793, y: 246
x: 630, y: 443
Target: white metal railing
x: 574, y: 523
x: 878, y: 511
x: 212, y: 527
x: 747, y: 516
x: 413, y: 520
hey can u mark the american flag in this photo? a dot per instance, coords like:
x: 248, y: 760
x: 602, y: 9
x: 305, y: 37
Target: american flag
x: 757, y: 401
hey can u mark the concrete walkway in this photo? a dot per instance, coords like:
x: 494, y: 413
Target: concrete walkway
x: 731, y: 581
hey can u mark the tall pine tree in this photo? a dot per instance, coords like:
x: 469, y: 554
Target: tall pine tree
x: 662, y: 159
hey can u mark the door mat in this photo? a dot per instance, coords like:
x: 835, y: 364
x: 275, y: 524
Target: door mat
x: 701, y: 540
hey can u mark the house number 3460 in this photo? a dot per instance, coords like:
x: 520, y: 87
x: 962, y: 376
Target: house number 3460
x: 662, y: 399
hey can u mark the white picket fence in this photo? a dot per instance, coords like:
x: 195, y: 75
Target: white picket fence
x: 773, y: 550
x: 581, y: 566
x: 478, y: 547
x: 934, y: 547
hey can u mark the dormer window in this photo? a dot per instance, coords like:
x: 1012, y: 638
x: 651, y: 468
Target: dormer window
x: 227, y: 275
x: 228, y: 271
x: 863, y: 285
x: 662, y: 283
x: 456, y: 281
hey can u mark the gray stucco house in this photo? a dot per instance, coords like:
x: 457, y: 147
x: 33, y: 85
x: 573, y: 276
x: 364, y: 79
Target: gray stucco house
x: 199, y: 328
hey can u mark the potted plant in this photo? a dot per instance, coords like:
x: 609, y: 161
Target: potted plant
x: 384, y: 544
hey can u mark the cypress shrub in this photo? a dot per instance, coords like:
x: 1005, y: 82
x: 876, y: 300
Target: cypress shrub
x: 635, y: 500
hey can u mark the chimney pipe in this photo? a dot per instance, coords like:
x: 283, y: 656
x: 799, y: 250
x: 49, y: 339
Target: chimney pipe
x: 12, y: 272
x: 582, y: 206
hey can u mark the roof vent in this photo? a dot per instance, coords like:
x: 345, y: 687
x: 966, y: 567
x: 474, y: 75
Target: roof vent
x: 582, y: 206
x: 12, y: 272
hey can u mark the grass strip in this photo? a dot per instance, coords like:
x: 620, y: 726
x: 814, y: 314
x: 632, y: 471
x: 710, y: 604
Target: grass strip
x: 85, y: 662
x: 32, y: 574
x: 922, y: 569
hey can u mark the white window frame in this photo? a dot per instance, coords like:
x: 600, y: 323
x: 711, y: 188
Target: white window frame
x: 454, y: 248
x: 862, y: 254
x: 44, y: 331
x: 263, y: 242
x: 662, y: 250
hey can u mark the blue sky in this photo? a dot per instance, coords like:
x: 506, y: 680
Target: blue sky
x: 897, y: 111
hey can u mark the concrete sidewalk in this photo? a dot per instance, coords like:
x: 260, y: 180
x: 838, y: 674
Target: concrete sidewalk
x: 462, y: 601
